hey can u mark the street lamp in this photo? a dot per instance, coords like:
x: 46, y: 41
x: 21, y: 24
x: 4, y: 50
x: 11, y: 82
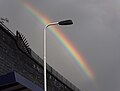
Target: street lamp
x: 65, y: 22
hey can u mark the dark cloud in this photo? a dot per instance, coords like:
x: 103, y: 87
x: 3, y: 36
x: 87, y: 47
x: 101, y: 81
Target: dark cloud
x: 95, y: 34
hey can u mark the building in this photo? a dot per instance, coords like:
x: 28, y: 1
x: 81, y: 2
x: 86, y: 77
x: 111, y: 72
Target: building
x: 21, y: 69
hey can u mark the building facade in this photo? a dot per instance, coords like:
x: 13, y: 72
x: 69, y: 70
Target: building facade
x: 21, y: 69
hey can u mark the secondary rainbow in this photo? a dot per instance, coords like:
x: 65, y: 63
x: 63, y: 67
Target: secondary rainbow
x: 62, y: 38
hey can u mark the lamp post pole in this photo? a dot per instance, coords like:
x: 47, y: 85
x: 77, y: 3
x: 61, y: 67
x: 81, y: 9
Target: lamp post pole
x: 66, y: 22
x: 45, y: 56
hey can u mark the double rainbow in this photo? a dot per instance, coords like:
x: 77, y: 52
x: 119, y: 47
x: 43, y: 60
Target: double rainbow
x: 62, y: 38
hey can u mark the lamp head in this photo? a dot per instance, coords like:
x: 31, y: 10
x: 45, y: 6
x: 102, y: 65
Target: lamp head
x: 65, y: 22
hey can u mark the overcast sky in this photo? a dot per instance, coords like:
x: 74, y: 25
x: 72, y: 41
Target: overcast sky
x: 95, y: 34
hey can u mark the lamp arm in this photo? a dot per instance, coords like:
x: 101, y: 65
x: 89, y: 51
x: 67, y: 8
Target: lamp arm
x: 51, y: 24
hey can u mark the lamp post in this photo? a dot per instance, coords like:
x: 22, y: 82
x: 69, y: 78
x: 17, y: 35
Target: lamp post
x: 66, y: 22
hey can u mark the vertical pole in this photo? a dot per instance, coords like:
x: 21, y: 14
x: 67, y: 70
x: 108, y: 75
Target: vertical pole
x: 45, y: 51
x: 45, y: 47
x: 66, y: 22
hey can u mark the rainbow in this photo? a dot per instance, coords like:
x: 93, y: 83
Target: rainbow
x: 61, y: 37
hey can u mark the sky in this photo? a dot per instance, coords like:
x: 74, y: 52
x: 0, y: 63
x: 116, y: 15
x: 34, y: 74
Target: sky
x: 95, y: 36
